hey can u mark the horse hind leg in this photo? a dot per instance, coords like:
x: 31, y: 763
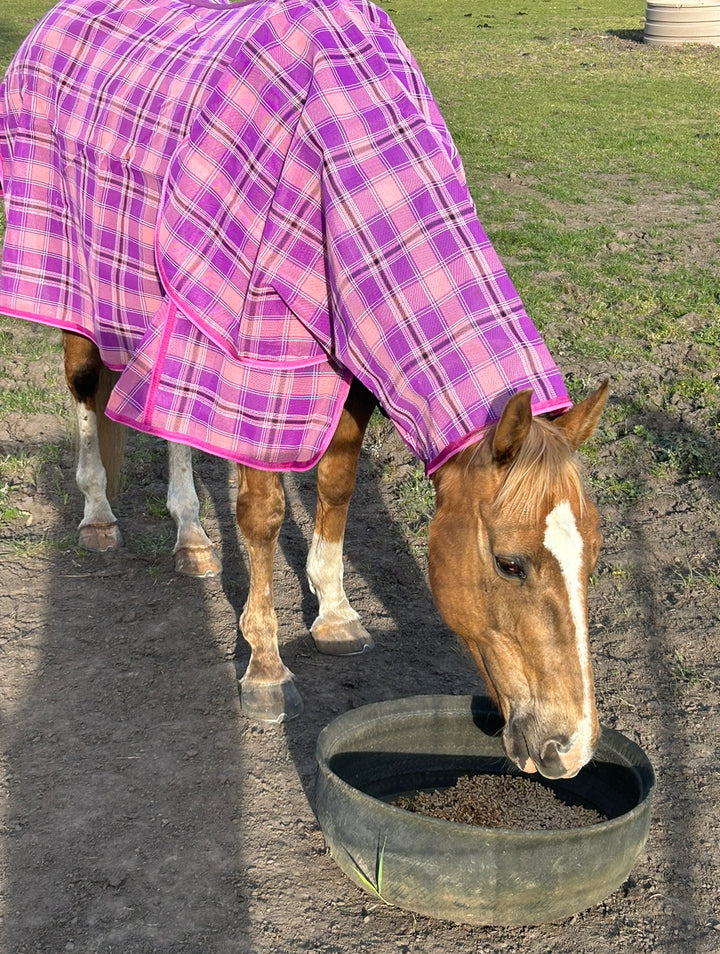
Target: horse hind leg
x: 194, y: 553
x: 101, y: 442
x: 267, y: 689
x: 337, y: 629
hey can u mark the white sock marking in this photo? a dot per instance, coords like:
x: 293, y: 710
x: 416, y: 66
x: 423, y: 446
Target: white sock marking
x: 182, y: 500
x: 563, y: 540
x: 90, y: 474
x: 325, y: 575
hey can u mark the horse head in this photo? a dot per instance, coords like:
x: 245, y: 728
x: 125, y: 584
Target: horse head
x: 512, y: 546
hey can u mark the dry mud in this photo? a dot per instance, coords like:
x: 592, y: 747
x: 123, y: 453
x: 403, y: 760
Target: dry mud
x: 140, y: 812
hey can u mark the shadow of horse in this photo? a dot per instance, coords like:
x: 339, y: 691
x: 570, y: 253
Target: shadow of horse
x: 121, y: 736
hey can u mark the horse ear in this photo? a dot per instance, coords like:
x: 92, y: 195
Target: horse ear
x: 580, y: 421
x: 512, y: 428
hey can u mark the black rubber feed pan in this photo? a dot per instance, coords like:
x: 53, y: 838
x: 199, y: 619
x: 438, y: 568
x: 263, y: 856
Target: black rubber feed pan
x: 457, y: 872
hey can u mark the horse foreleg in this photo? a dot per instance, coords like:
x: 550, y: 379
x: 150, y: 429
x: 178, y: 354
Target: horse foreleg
x: 98, y: 530
x: 194, y: 553
x: 337, y: 629
x: 267, y: 689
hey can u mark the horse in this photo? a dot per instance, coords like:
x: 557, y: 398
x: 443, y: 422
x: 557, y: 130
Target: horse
x: 512, y: 544
x: 253, y: 227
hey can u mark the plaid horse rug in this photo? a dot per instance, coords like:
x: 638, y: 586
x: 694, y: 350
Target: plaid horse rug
x: 245, y: 206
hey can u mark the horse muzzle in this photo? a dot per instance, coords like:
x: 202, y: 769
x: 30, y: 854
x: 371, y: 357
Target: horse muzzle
x: 552, y: 754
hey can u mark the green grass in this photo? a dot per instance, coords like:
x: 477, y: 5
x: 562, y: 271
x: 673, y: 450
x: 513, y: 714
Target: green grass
x: 32, y: 344
x: 30, y: 465
x: 687, y: 676
x: 32, y: 546
x: 154, y: 545
x: 707, y: 577
x: 415, y: 499
x: 156, y: 507
x: 17, y: 18
x: 564, y: 90
x: 374, y: 885
x: 565, y: 122
x: 35, y: 469
x: 32, y: 399
x: 9, y: 513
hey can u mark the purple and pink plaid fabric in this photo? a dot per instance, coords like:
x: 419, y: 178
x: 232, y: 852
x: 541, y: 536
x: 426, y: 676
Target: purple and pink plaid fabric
x: 245, y: 206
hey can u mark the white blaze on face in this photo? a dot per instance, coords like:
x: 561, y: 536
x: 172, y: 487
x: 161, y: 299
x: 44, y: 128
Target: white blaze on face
x: 563, y: 540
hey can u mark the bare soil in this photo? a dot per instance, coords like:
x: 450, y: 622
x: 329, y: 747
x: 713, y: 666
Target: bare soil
x: 140, y: 812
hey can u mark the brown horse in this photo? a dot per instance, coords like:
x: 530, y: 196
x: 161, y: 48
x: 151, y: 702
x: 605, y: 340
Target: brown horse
x: 244, y: 210
x: 512, y: 544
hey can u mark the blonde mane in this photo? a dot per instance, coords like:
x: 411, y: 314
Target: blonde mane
x: 545, y: 471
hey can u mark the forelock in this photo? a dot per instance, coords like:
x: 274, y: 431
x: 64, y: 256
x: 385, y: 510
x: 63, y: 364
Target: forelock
x: 544, y: 471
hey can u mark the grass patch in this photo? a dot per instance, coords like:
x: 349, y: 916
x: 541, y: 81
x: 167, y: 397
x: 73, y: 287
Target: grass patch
x: 13, y: 465
x: 30, y: 546
x: 563, y: 91
x: 415, y: 499
x: 694, y: 455
x: 40, y: 468
x: 707, y: 578
x: 35, y: 342
x: 32, y: 399
x: 617, y: 490
x: 155, y: 545
x: 156, y: 507
x: 8, y: 512
x: 566, y: 123
x: 686, y: 675
x: 373, y: 884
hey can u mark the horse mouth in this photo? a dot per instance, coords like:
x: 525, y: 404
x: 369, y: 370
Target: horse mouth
x: 530, y: 768
x: 553, y: 759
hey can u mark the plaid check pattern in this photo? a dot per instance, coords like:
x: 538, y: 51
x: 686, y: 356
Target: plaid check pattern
x: 245, y: 206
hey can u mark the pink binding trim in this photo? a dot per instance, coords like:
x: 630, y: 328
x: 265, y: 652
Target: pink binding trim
x: 57, y: 323
x: 155, y: 380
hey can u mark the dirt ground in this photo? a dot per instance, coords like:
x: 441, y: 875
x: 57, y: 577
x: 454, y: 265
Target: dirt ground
x: 140, y: 812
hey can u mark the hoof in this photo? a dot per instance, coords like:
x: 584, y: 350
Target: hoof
x: 342, y: 638
x: 270, y: 702
x: 200, y: 561
x: 99, y: 537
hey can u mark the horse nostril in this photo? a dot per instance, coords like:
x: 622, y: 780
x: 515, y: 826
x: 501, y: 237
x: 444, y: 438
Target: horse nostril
x: 556, y: 747
x: 551, y: 763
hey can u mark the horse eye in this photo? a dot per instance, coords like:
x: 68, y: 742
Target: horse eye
x: 512, y: 569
